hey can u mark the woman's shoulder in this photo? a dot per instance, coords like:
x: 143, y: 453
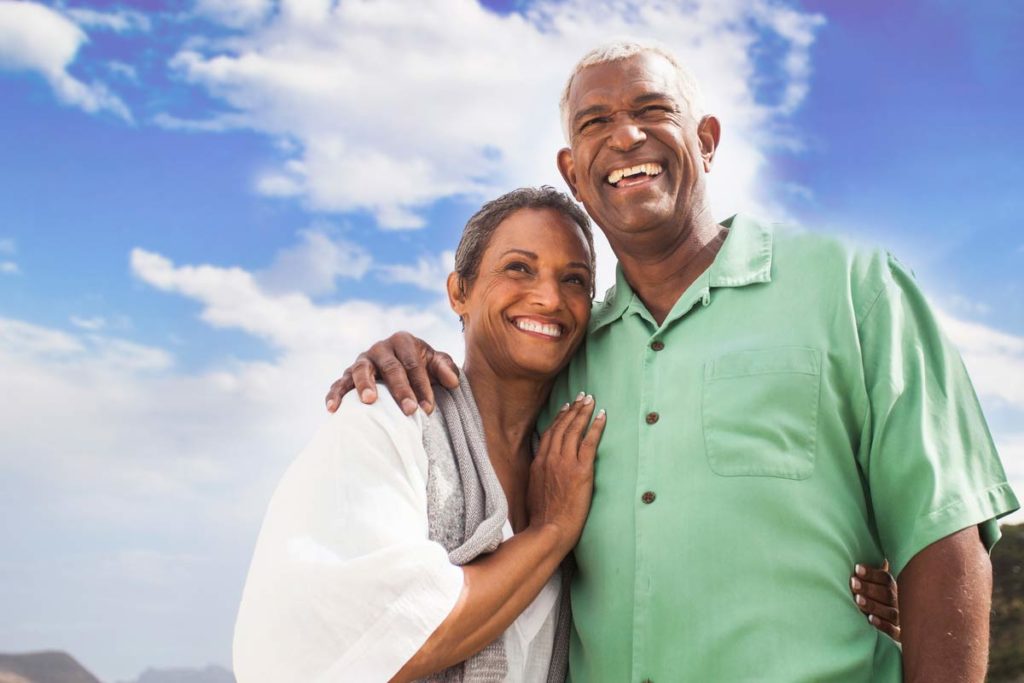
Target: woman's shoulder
x: 384, y: 414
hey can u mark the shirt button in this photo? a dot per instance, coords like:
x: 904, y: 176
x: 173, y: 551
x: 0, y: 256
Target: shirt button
x: 652, y: 418
x: 648, y: 497
x: 658, y: 345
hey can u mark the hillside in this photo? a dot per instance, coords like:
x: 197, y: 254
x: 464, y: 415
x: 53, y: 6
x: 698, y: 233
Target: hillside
x: 43, y: 667
x: 211, y: 674
x: 1006, y: 662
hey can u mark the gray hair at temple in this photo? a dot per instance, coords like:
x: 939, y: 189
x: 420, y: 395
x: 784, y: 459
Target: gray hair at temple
x: 689, y: 89
x: 481, y: 226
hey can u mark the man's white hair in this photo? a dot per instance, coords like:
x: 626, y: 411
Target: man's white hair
x: 624, y: 49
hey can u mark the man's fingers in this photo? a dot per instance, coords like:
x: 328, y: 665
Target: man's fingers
x: 394, y: 376
x: 443, y: 369
x: 412, y: 352
x: 338, y: 390
x: 364, y: 379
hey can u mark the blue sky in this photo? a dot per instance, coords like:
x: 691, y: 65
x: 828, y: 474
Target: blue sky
x: 208, y: 207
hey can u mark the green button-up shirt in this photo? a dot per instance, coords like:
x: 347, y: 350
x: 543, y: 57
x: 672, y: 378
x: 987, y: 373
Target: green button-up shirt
x: 798, y: 411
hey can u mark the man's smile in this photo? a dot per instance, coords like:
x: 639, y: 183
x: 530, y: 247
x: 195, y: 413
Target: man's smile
x: 628, y: 176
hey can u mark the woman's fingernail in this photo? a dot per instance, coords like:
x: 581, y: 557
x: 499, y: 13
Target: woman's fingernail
x: 861, y: 571
x: 600, y: 414
x: 873, y: 619
x: 564, y: 408
x: 579, y: 396
x: 854, y: 583
x: 588, y: 400
x: 861, y: 601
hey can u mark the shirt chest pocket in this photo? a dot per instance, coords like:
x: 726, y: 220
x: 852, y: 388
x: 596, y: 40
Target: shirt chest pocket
x: 760, y: 412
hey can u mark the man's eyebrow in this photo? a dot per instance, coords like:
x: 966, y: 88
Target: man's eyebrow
x: 652, y: 97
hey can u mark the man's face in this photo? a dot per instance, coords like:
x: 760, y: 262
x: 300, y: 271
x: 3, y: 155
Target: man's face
x: 637, y: 155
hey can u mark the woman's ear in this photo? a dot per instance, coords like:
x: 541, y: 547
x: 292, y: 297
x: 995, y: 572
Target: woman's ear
x: 456, y: 294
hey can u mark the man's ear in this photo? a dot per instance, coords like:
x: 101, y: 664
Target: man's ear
x: 456, y: 294
x: 709, y: 132
x: 567, y: 167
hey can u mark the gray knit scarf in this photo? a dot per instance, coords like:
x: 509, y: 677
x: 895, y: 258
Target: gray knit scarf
x: 466, y: 509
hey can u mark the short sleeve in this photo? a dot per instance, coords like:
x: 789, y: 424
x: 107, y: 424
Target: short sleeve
x: 931, y: 466
x: 344, y: 583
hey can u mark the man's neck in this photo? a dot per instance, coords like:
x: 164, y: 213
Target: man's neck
x: 660, y: 275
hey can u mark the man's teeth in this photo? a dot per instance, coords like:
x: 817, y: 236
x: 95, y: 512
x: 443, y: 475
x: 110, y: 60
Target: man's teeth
x: 533, y: 326
x: 620, y: 173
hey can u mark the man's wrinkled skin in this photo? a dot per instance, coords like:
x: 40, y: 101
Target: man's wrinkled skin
x: 629, y: 112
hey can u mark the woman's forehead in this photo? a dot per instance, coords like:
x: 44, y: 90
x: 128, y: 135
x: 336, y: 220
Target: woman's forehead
x: 543, y: 231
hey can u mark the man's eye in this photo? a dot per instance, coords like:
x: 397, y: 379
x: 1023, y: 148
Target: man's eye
x: 593, y: 123
x: 653, y: 110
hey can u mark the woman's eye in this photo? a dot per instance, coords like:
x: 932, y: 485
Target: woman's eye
x: 577, y: 280
x: 518, y: 267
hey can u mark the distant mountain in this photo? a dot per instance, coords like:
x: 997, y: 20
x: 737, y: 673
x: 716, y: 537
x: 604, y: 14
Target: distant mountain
x: 43, y: 667
x: 1006, y: 659
x: 211, y: 674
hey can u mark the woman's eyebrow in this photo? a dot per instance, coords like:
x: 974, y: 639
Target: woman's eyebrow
x: 523, y: 252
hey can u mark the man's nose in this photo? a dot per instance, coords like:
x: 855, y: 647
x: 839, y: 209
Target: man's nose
x: 626, y: 134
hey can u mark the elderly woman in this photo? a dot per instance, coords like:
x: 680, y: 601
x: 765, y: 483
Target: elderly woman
x: 430, y: 546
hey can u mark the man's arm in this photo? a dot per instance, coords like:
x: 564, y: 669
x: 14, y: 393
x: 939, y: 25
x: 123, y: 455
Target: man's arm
x: 945, y: 599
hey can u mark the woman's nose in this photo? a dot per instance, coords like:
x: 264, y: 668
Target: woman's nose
x: 547, y: 294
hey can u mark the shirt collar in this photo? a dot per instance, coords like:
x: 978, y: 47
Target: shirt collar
x: 744, y: 259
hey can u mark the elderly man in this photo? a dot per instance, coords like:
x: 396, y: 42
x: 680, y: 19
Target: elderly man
x: 780, y: 406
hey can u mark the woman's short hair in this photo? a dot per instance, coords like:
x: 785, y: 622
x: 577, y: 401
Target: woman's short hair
x: 481, y: 226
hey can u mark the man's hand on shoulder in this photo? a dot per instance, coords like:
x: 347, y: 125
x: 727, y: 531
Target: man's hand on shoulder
x: 406, y: 364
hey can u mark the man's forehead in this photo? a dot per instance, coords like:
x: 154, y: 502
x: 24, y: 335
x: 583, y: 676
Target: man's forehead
x: 624, y: 79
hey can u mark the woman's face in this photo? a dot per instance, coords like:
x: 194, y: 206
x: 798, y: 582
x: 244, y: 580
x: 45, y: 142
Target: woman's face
x: 528, y: 308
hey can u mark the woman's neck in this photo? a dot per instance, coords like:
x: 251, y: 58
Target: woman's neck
x: 508, y: 407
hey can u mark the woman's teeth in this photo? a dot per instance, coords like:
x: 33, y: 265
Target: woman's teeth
x: 534, y: 326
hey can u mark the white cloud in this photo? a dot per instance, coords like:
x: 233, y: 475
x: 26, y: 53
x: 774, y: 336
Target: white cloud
x: 394, y: 105
x: 92, y: 324
x: 9, y: 268
x: 313, y: 265
x: 38, y: 39
x: 128, y: 450
x: 994, y: 358
x: 429, y: 272
x: 119, y: 21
